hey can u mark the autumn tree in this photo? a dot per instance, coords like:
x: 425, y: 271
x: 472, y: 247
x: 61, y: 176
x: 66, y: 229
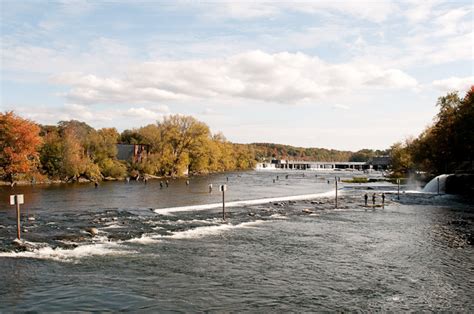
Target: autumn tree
x: 401, y: 158
x: 19, y: 140
x: 180, y: 136
x: 447, y: 145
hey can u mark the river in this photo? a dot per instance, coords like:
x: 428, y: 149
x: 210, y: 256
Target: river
x: 416, y: 253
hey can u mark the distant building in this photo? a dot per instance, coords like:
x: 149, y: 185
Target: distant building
x: 376, y: 163
x: 379, y: 162
x: 265, y: 166
x: 132, y: 152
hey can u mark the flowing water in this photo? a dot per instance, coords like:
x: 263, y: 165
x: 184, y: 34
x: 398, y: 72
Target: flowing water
x: 436, y: 185
x: 167, y: 249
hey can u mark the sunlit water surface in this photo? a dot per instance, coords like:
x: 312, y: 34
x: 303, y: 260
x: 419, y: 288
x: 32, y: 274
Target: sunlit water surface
x: 413, y: 255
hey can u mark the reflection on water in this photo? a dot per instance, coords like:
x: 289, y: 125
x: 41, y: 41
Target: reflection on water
x: 413, y: 255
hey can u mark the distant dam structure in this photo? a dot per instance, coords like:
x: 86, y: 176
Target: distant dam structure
x: 376, y: 163
x: 432, y: 186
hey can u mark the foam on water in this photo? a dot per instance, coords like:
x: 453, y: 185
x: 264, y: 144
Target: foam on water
x: 113, y: 226
x: 145, y: 239
x: 278, y: 216
x: 68, y: 255
x: 167, y: 211
x: 210, y: 230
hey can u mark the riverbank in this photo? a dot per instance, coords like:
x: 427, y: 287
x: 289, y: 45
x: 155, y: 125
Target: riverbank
x: 80, y: 180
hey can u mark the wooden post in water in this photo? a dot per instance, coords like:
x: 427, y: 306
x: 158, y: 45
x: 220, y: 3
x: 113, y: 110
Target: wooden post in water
x: 18, y: 235
x: 438, y: 185
x: 336, y: 193
x: 17, y: 200
x: 223, y: 188
x: 223, y: 205
x: 398, y: 182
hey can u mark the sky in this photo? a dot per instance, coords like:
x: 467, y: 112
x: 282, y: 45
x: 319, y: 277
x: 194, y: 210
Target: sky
x: 334, y: 74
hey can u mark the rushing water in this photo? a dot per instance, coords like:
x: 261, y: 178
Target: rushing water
x: 415, y: 254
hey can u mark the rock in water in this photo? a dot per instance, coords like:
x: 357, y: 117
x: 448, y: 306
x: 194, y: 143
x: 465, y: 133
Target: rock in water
x: 22, y: 246
x: 92, y: 231
x: 307, y: 211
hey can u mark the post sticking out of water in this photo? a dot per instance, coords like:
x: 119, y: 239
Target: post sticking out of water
x: 223, y: 188
x: 336, y: 192
x: 398, y: 183
x: 18, y: 235
x: 438, y: 185
x: 17, y: 200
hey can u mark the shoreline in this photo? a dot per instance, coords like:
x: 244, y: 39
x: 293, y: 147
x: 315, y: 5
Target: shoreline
x: 111, y: 179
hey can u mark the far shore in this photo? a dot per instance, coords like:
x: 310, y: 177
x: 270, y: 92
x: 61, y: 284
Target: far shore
x: 106, y: 179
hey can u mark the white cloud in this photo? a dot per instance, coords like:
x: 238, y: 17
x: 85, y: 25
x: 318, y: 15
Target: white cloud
x: 460, y: 84
x: 122, y: 118
x: 376, y: 11
x: 143, y: 113
x: 100, y: 55
x: 286, y: 78
x: 453, y: 21
x: 419, y: 11
x: 341, y: 106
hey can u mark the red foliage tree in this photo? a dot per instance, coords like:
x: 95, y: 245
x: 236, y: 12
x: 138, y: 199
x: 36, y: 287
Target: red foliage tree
x: 19, y: 140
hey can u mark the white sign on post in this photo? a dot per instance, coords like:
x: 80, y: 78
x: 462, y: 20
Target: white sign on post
x: 223, y: 188
x: 17, y: 199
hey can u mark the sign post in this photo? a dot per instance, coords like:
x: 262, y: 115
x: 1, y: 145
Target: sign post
x: 223, y: 188
x: 17, y: 200
x: 398, y: 183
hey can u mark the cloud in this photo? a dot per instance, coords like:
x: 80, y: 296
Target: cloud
x: 376, y: 11
x: 461, y: 84
x: 418, y: 11
x: 143, y: 113
x: 122, y: 118
x: 286, y: 78
x: 341, y: 107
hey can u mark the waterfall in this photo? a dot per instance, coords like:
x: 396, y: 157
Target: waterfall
x: 432, y: 186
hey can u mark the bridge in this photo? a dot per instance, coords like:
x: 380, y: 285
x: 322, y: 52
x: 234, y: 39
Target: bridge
x: 376, y: 163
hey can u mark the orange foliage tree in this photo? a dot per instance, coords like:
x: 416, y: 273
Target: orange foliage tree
x: 19, y: 140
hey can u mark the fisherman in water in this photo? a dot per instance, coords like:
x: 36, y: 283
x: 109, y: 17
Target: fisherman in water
x: 366, y: 197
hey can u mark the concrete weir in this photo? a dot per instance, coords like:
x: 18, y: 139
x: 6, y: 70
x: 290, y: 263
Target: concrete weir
x: 376, y: 163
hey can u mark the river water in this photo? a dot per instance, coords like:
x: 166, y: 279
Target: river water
x: 414, y: 254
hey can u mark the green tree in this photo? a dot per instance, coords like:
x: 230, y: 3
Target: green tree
x: 401, y: 159
x: 51, y: 152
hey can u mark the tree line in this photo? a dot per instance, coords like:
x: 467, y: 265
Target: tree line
x: 279, y: 151
x: 446, y: 146
x: 73, y: 150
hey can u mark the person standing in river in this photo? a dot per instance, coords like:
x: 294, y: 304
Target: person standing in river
x: 383, y: 200
x: 366, y: 197
x: 373, y: 199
